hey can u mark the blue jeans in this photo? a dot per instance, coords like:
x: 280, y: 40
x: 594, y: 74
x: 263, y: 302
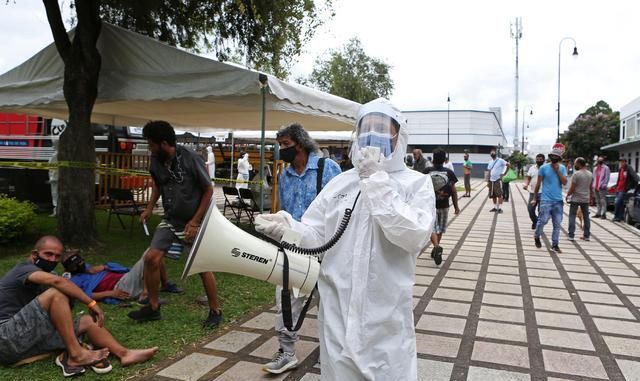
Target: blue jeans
x: 619, y: 211
x: 550, y: 210
x: 532, y: 208
x: 573, y: 211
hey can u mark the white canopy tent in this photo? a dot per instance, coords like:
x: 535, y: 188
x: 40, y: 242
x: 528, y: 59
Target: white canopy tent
x: 142, y: 79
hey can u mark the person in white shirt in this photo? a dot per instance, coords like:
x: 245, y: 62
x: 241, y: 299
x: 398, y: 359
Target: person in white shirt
x: 497, y: 168
x: 530, y: 185
x: 448, y: 164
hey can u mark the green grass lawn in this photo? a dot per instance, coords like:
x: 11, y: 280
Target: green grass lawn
x: 180, y: 327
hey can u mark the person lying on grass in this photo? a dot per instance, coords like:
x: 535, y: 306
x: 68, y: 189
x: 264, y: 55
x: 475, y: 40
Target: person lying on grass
x: 34, y: 322
x: 111, y: 282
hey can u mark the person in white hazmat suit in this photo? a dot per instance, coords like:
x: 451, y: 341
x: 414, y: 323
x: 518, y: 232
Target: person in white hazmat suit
x: 243, y: 171
x: 366, y: 279
x: 211, y: 162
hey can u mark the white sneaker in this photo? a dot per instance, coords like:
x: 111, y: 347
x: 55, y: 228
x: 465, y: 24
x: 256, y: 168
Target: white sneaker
x: 281, y: 362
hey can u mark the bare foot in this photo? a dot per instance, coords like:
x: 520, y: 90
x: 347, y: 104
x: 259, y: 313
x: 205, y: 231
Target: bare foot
x: 87, y: 357
x: 135, y: 356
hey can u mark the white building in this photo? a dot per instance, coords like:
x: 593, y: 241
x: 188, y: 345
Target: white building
x: 458, y: 131
x: 629, y: 144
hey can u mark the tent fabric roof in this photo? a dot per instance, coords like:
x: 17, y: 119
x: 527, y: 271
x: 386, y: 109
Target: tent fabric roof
x: 142, y: 79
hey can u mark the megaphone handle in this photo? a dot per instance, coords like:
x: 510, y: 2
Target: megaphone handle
x: 285, y: 294
x: 285, y: 299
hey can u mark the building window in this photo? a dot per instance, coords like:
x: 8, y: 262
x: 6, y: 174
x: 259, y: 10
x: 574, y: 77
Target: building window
x: 631, y: 126
x: 624, y: 130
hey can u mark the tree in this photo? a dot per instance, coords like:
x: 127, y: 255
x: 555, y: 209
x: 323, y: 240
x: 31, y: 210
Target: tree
x: 596, y: 127
x: 352, y: 74
x: 268, y: 34
x: 518, y: 161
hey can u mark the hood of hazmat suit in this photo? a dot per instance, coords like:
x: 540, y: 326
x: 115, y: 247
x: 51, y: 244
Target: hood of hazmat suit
x: 366, y: 279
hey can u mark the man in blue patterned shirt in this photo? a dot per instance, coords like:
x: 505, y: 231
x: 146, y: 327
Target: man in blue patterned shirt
x: 299, y: 184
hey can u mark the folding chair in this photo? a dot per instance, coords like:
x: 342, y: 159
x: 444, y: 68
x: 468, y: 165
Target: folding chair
x: 122, y: 203
x: 248, y: 203
x: 231, y: 195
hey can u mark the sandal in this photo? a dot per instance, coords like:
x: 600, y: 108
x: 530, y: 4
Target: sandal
x: 62, y: 361
x: 102, y: 367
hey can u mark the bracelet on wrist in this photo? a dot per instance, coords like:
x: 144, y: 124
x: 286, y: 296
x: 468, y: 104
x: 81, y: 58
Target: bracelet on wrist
x: 91, y: 304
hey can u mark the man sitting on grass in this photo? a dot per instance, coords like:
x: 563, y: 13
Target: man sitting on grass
x: 34, y: 322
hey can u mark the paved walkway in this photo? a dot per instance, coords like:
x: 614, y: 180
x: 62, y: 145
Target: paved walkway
x: 496, y: 309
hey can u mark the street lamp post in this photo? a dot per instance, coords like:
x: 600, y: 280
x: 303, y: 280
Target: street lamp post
x: 524, y: 113
x: 575, y: 53
x: 448, y: 110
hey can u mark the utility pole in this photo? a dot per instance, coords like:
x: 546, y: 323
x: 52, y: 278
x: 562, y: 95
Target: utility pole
x: 448, y: 111
x: 516, y: 34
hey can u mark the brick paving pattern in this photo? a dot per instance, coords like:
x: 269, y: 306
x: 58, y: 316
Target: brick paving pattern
x: 497, y: 308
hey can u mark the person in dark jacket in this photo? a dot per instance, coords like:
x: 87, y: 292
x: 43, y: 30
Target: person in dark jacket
x: 627, y: 179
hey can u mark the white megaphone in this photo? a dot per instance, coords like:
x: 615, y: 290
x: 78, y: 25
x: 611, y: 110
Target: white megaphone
x: 220, y: 246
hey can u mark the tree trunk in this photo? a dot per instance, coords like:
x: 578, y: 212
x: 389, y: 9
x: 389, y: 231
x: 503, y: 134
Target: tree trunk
x: 76, y: 212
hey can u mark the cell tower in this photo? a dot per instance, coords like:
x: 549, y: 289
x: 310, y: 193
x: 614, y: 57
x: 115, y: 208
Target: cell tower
x: 516, y: 34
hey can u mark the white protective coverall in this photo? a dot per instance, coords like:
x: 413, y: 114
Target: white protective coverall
x: 366, y: 280
x: 243, y: 171
x: 211, y: 162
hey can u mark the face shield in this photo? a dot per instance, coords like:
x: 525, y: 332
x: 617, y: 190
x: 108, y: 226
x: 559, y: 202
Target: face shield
x: 380, y: 127
x: 377, y: 130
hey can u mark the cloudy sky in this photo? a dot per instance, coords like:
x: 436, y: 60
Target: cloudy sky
x: 460, y: 47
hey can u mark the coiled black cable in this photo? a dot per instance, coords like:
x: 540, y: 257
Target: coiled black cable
x: 315, y: 251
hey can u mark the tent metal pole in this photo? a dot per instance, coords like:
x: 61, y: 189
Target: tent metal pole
x: 263, y: 90
x: 232, y: 153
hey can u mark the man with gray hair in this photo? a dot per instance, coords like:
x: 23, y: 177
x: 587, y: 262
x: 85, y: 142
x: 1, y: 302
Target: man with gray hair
x: 419, y: 162
x: 300, y: 183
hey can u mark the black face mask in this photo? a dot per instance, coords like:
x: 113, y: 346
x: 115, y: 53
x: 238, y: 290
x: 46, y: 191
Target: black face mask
x: 554, y: 160
x: 45, y: 265
x: 493, y: 155
x: 163, y: 156
x: 288, y: 154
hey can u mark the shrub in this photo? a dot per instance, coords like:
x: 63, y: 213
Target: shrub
x: 15, y: 217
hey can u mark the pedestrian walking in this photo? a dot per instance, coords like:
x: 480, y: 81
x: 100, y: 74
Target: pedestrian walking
x: 496, y: 168
x: 442, y: 200
x: 600, y: 180
x: 530, y: 185
x: 578, y: 197
x: 553, y: 176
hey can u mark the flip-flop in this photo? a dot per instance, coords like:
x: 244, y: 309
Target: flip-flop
x: 101, y: 366
x: 62, y: 361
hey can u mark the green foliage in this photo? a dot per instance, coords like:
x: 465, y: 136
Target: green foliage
x: 596, y: 127
x: 270, y: 34
x: 15, y: 218
x: 518, y: 160
x: 352, y: 74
